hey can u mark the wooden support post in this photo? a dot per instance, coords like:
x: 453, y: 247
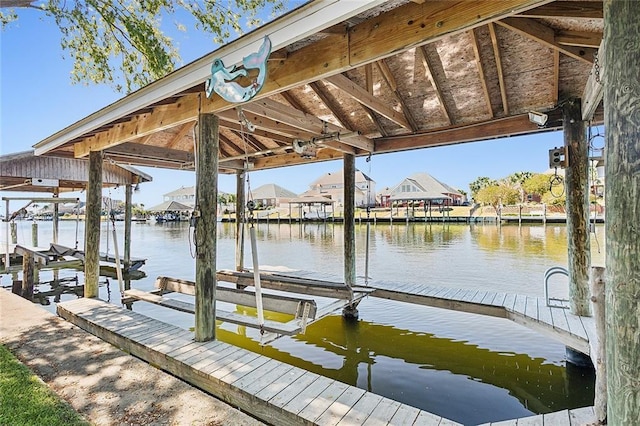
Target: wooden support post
x: 28, y: 275
x: 240, y: 204
x: 93, y: 209
x: 14, y: 233
x: 349, y: 229
x: 597, y: 285
x: 56, y: 219
x: 622, y: 154
x: 34, y: 234
x: 576, y: 188
x: 544, y: 214
x: 520, y: 214
x: 206, y: 226
x: 128, y: 213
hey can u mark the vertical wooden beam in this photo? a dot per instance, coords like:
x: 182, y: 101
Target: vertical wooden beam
x: 597, y: 285
x: 498, y: 58
x: 128, y: 213
x: 34, y: 234
x: 622, y: 153
x: 14, y: 233
x: 240, y: 219
x: 206, y: 226
x: 576, y: 188
x: 93, y: 209
x: 28, y: 275
x: 56, y: 220
x: 349, y: 228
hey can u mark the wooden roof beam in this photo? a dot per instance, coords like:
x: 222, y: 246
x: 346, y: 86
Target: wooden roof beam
x: 276, y: 111
x: 361, y: 95
x: 496, y: 54
x: 567, y: 9
x: 579, y: 38
x: 231, y: 144
x: 186, y: 128
x: 251, y: 140
x: 481, y: 75
x: 329, y: 101
x: 544, y: 35
x: 508, y: 126
x: 594, y: 89
x: 402, y: 28
x: 227, y: 123
x: 152, y: 153
x: 393, y: 85
x: 268, y: 124
x: 422, y: 51
x: 368, y: 74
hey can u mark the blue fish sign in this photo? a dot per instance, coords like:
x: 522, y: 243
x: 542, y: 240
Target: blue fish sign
x: 221, y: 80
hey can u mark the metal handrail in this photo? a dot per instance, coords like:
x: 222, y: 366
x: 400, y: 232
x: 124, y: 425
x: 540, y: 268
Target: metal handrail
x: 548, y: 274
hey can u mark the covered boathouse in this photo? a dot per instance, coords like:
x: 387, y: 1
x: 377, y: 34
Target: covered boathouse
x: 351, y: 78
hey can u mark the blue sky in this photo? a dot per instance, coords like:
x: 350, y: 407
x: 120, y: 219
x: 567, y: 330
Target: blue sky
x: 38, y: 99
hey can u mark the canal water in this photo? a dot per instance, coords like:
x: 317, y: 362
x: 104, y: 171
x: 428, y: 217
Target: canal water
x: 469, y: 368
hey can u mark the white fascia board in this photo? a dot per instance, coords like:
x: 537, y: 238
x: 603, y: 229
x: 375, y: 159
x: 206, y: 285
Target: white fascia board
x: 290, y: 28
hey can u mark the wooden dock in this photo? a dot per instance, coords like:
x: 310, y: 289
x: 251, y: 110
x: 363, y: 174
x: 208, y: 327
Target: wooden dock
x: 556, y: 322
x: 271, y: 390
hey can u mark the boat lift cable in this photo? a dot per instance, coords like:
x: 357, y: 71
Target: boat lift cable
x: 116, y: 253
x: 251, y: 205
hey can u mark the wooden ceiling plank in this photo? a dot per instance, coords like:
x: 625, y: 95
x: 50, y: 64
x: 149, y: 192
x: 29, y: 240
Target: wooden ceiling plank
x: 475, y: 43
x: 389, y: 78
x: 413, y: 24
x: 512, y: 126
x: 434, y: 83
x: 186, y: 128
x: 496, y: 54
x: 358, y: 93
x: 579, y: 38
x: 544, y: 35
x: 332, y: 105
x: 567, y: 9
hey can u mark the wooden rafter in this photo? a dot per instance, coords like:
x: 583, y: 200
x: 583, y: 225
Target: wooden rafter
x: 556, y: 77
x: 270, y: 124
x: 404, y: 27
x: 594, y: 89
x: 542, y: 34
x: 361, y: 95
x: 579, y: 38
x: 496, y: 54
x: 393, y: 85
x: 231, y: 144
x: 227, y: 123
x: 481, y: 75
x: 424, y: 57
x: 323, y: 93
x: 293, y: 101
x: 252, y: 140
x: 269, y: 109
x: 567, y: 9
x: 186, y: 128
x: 368, y: 78
x: 138, y: 151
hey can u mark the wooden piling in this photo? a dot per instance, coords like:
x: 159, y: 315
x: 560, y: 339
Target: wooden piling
x: 206, y: 226
x: 93, y: 209
x: 622, y: 154
x: 128, y: 214
x: 240, y: 219
x: 28, y: 275
x: 56, y: 220
x: 34, y: 234
x: 349, y: 229
x: 576, y: 188
x: 597, y: 285
x: 14, y: 233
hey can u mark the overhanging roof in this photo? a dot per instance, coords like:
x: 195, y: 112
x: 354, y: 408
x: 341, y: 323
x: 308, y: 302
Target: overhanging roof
x: 377, y: 76
x: 25, y: 172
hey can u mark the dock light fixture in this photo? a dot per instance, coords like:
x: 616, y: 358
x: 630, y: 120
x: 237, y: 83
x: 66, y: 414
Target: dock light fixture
x: 538, y: 118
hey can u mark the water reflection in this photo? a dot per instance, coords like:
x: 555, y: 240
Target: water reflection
x: 469, y: 368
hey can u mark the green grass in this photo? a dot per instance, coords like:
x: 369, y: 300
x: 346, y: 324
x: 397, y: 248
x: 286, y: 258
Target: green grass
x: 25, y: 400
